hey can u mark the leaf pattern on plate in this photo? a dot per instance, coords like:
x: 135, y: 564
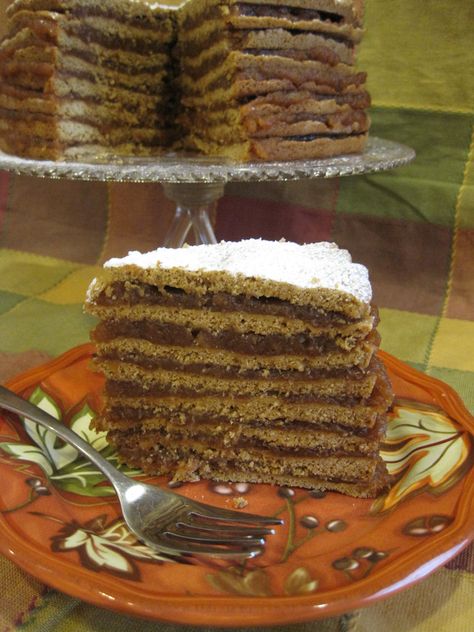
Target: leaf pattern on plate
x: 300, y: 582
x: 101, y: 546
x: 61, y: 463
x: 235, y: 580
x: 256, y: 582
x: 424, y: 450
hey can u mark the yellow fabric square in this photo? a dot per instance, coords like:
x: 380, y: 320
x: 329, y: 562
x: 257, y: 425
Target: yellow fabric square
x: 412, y: 50
x: 73, y: 288
x: 406, y: 335
x: 29, y: 275
x: 453, y: 346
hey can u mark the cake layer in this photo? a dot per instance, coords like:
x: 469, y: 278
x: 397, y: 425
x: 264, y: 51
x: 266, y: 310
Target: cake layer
x: 28, y: 107
x: 321, y: 275
x: 345, y: 336
x: 336, y: 467
x: 178, y: 381
x: 305, y: 438
x: 294, y: 115
x: 149, y: 357
x: 200, y: 355
x: 310, y: 350
x: 261, y: 41
x: 272, y: 344
x: 284, y: 126
x: 264, y: 15
x: 108, y: 31
x: 77, y: 132
x: 248, y: 408
x: 38, y: 77
x: 122, y: 294
x: 306, y: 147
x: 40, y: 149
x: 43, y: 30
x: 255, y: 74
x: 363, y: 476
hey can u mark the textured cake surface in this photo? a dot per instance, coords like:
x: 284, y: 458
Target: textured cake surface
x: 249, y: 360
x: 250, y: 80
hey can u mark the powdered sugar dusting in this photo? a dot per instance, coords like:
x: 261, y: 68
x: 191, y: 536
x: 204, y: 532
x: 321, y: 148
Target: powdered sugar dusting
x: 317, y: 265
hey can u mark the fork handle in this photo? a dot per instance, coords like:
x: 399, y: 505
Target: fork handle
x: 15, y: 404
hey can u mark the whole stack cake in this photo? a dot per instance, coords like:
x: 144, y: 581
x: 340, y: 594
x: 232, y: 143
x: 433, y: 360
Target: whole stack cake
x: 243, y: 361
x: 245, y: 79
x: 85, y: 76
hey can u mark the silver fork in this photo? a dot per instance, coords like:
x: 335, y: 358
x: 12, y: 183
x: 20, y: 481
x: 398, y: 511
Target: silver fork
x: 168, y: 522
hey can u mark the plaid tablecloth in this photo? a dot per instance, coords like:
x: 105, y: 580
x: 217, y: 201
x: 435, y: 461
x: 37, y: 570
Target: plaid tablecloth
x: 413, y: 227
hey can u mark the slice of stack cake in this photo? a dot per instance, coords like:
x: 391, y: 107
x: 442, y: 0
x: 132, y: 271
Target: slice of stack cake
x: 272, y: 79
x: 85, y: 76
x: 243, y: 361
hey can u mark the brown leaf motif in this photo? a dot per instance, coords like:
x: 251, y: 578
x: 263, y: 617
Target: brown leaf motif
x: 104, y: 547
x: 424, y: 450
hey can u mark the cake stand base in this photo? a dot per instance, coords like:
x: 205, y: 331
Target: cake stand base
x: 194, y: 205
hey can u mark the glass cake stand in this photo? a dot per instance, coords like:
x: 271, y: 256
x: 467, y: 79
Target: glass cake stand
x: 195, y: 183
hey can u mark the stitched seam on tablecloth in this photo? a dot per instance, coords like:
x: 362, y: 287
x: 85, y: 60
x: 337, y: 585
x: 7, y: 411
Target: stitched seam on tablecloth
x: 469, y: 159
x: 422, y: 108
x: 35, y: 255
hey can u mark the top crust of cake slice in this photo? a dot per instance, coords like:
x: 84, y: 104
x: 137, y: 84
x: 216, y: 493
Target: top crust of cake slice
x: 320, y: 274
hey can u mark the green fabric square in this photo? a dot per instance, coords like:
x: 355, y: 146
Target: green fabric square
x: 406, y: 335
x: 30, y: 275
x: 425, y: 190
x: 461, y: 381
x: 35, y: 324
x: 8, y: 300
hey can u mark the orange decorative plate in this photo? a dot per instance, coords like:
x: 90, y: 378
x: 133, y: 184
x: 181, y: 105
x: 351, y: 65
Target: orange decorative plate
x: 59, y: 520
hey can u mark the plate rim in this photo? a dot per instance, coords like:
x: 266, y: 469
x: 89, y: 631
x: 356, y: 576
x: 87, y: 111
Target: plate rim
x: 231, y: 610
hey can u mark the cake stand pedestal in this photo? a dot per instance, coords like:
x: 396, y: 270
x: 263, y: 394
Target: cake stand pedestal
x: 195, y: 183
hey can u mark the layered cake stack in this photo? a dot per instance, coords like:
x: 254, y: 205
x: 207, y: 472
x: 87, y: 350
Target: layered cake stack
x: 272, y: 79
x: 243, y: 361
x: 85, y: 76
x: 246, y: 79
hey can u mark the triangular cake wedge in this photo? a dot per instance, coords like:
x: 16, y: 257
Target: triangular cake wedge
x: 251, y: 360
